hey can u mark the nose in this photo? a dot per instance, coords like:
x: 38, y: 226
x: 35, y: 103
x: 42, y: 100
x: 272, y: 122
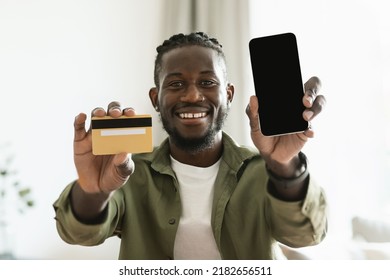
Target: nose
x: 192, y: 95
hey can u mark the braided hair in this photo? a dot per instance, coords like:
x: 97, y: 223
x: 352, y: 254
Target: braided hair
x: 180, y: 40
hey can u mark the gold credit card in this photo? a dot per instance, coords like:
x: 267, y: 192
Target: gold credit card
x: 121, y: 135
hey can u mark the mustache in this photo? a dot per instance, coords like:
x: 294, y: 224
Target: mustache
x: 189, y: 105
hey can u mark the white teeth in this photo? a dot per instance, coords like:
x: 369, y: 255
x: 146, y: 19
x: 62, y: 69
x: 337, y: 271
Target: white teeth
x: 192, y: 115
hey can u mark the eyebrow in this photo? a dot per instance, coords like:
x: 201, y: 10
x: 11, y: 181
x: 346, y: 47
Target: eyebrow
x: 175, y: 74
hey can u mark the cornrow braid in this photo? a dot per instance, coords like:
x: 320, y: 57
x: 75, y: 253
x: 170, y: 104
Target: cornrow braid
x: 180, y: 40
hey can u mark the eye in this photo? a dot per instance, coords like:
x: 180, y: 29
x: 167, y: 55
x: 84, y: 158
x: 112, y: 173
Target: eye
x: 176, y: 84
x: 208, y: 83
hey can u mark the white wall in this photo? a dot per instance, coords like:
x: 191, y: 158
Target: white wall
x: 59, y: 58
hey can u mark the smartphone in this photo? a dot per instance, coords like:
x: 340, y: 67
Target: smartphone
x: 278, y: 84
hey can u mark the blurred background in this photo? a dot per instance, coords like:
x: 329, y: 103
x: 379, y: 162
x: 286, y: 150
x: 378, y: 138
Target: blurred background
x: 60, y: 58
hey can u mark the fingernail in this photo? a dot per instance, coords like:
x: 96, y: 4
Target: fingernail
x: 309, y: 99
x: 115, y: 109
x: 128, y: 109
x: 308, y: 114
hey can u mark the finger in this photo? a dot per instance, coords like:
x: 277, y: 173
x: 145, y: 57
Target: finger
x: 309, y: 132
x: 312, y: 87
x: 124, y: 165
x: 253, y: 115
x: 98, y: 112
x: 114, y: 109
x: 79, y: 127
x: 129, y: 112
x: 317, y: 107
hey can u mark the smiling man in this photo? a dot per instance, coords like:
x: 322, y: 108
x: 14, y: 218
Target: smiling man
x: 198, y: 195
x: 193, y: 97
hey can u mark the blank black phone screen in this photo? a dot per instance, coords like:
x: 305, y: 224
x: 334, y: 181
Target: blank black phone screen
x: 278, y: 84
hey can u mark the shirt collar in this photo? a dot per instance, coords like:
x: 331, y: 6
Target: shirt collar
x: 233, y: 155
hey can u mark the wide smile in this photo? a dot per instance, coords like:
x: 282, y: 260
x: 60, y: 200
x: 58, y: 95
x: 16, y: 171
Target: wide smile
x: 192, y: 115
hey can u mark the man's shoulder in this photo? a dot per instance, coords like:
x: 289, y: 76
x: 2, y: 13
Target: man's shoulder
x: 235, y: 154
x: 230, y: 144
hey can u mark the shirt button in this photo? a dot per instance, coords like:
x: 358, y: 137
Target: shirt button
x: 172, y: 221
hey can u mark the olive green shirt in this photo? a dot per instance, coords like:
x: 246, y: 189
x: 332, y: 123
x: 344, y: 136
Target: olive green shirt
x: 247, y: 221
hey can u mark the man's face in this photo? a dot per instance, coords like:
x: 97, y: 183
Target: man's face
x: 193, y: 97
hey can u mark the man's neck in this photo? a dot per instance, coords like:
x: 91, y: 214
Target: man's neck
x: 203, y: 158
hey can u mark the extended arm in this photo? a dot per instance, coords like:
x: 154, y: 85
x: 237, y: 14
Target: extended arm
x: 98, y: 176
x: 287, y: 169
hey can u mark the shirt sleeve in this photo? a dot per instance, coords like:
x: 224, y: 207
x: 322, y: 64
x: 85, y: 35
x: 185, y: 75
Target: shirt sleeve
x: 300, y: 223
x: 73, y: 231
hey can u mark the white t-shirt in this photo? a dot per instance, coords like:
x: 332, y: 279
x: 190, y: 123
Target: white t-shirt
x: 194, y: 238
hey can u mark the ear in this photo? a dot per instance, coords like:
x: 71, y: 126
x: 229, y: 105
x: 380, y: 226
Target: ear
x: 230, y: 92
x: 153, y: 95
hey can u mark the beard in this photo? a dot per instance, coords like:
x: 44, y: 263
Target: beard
x: 196, y: 144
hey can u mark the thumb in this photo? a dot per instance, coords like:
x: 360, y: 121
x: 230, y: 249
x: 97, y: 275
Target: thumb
x: 79, y: 127
x: 124, y: 164
x: 253, y: 114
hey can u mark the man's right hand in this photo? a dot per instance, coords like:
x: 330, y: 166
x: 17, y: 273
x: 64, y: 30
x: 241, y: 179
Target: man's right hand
x: 100, y: 174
